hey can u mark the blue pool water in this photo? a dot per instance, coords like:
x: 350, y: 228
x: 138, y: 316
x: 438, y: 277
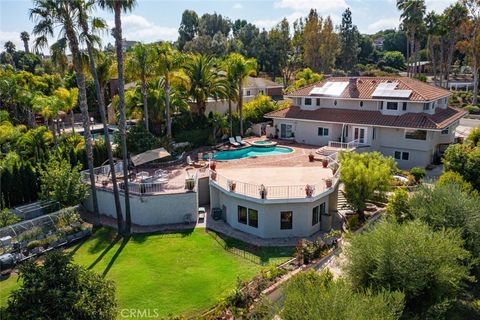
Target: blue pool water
x: 251, y: 152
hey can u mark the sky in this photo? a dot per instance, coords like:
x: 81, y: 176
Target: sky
x: 154, y: 20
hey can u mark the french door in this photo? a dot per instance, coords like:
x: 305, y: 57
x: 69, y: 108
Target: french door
x: 360, y: 134
x: 285, y: 131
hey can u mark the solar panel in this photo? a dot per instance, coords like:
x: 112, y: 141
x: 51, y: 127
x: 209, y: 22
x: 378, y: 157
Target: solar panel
x: 330, y: 89
x: 387, y: 90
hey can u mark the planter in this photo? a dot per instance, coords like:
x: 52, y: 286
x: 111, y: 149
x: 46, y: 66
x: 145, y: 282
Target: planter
x: 263, y: 192
x: 213, y: 165
x: 311, y: 157
x: 325, y: 163
x: 328, y: 183
x: 309, y: 190
x: 104, y: 183
x: 213, y: 175
x: 189, y: 184
x: 232, y: 185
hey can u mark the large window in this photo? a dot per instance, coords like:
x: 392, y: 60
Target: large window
x: 392, y: 105
x: 308, y: 101
x: 242, y: 215
x: 446, y: 130
x: 399, y: 155
x: 253, y: 218
x: 286, y: 220
x: 323, y: 132
x: 323, y: 209
x: 318, y: 101
x: 416, y: 134
x: 404, y: 108
x: 426, y: 106
x: 315, y: 215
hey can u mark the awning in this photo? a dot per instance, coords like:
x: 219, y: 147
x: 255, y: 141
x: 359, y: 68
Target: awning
x: 149, y: 156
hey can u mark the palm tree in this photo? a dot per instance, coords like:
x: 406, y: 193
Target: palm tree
x: 68, y: 101
x: 241, y: 69
x: 168, y: 65
x: 47, y: 107
x: 52, y: 14
x: 140, y: 66
x: 117, y: 6
x: 25, y: 37
x: 232, y: 94
x: 205, y: 81
x: 90, y: 38
x: 58, y: 56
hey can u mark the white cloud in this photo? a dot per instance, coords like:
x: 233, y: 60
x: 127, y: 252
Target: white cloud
x: 270, y: 23
x: 238, y: 5
x: 382, y: 24
x: 138, y: 28
x: 322, y: 6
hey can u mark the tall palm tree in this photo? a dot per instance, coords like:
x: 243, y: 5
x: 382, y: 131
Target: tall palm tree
x: 241, y: 69
x: 232, y: 94
x: 25, y: 38
x: 169, y: 62
x: 58, y: 56
x: 68, y: 100
x: 62, y: 14
x: 47, y: 107
x: 205, y: 80
x: 90, y: 38
x: 117, y: 6
x: 140, y: 66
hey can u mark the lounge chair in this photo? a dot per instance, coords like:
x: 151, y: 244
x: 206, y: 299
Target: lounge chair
x: 189, y: 161
x: 240, y: 140
x: 233, y: 142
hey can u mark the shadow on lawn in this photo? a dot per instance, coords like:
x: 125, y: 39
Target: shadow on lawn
x: 141, y: 238
x: 115, y: 256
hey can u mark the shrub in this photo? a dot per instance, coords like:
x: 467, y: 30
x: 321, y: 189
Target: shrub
x: 255, y: 110
x: 34, y: 244
x: 428, y: 266
x: 398, y: 205
x: 8, y: 217
x: 138, y: 140
x: 418, y: 173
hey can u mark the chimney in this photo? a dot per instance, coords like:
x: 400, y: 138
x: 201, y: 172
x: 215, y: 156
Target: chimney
x: 352, y: 87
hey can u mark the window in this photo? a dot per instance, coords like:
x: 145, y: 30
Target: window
x: 374, y: 133
x: 416, y: 134
x: 361, y: 103
x: 335, y: 102
x: 446, y: 130
x: 381, y: 105
x: 308, y: 101
x: 404, y: 106
x: 426, y: 106
x: 323, y: 132
x: 286, y: 131
x: 248, y: 92
x: 392, y: 105
x: 323, y: 207
x: 318, y: 101
x: 253, y: 218
x: 286, y: 220
x: 315, y: 215
x: 399, y: 155
x: 242, y: 215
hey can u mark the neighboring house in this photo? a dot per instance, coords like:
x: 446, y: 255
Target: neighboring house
x: 252, y: 88
x: 400, y: 117
x: 378, y: 43
x: 127, y: 44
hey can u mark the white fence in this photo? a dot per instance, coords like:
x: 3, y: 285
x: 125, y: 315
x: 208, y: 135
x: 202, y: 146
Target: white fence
x: 344, y: 145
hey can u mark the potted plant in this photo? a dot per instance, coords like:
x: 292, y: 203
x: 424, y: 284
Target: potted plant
x: 263, y: 192
x: 311, y: 157
x: 213, y: 175
x: 324, y: 162
x: 189, y: 183
x: 232, y: 185
x: 309, y: 190
x: 213, y: 165
x: 105, y: 182
x: 328, y: 182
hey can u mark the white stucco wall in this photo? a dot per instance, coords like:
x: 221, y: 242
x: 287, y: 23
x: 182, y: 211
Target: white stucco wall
x: 149, y: 210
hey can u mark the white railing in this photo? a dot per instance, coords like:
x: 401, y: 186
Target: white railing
x: 344, y: 145
x: 272, y: 192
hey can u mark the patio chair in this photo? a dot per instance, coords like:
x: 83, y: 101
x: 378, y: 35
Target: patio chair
x: 233, y: 142
x: 158, y: 173
x: 189, y: 161
x: 142, y: 175
x: 240, y: 140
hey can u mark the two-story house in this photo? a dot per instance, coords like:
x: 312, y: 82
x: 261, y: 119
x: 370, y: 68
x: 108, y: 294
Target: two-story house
x: 400, y: 117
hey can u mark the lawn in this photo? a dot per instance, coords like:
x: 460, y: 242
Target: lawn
x: 180, y: 273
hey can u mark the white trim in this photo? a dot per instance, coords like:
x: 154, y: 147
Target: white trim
x: 369, y: 99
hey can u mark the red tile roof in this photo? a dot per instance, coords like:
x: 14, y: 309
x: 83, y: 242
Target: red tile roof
x: 421, y: 91
x: 441, y: 119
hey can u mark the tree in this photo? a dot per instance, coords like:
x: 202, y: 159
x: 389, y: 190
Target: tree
x: 447, y: 205
x: 59, y: 289
x: 280, y: 46
x: 58, y: 56
x: 398, y: 205
x: 427, y: 266
x: 140, y: 65
x: 241, y: 69
x: 394, y: 59
x: 311, y: 40
x: 363, y: 175
x: 68, y: 101
x: 349, y: 42
x: 465, y: 160
x: 117, y: 7
x: 310, y: 295
x: 25, y: 37
x: 473, y: 43
x: 9, y: 47
x: 305, y: 77
x: 7, y: 216
x: 205, y: 81
x: 188, y: 28
x: 62, y: 182
x: 48, y: 15
x: 100, y: 79
x: 232, y: 88
x: 210, y: 24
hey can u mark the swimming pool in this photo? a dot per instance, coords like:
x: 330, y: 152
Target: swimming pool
x: 251, y: 152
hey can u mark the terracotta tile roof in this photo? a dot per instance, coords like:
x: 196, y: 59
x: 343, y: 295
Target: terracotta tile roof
x: 421, y: 91
x: 441, y: 119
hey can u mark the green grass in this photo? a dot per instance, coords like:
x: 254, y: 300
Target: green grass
x: 6, y: 286
x: 181, y: 273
